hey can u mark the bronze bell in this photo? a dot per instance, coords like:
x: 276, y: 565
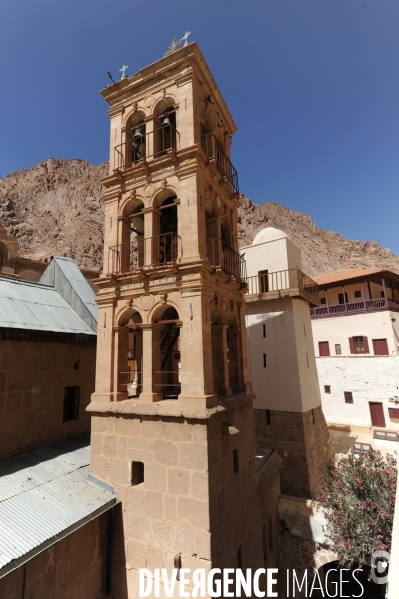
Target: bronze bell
x: 166, y: 121
x: 138, y: 133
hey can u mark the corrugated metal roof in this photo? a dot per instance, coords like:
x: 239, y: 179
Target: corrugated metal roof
x: 43, y: 493
x: 37, y: 307
x: 64, y: 275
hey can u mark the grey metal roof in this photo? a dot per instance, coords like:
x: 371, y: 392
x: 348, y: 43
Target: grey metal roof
x: 64, y: 275
x: 25, y: 305
x: 45, y: 495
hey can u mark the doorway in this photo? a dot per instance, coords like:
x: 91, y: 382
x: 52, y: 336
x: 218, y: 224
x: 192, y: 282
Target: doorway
x: 377, y: 414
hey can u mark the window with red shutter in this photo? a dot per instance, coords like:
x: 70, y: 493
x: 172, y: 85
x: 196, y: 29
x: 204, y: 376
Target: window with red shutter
x: 352, y: 345
x: 324, y: 348
x: 393, y: 412
x: 380, y: 347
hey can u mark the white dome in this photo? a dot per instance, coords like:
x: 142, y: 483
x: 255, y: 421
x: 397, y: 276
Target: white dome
x: 269, y: 234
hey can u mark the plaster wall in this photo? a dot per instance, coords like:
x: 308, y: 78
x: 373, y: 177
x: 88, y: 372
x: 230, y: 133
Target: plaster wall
x: 279, y: 254
x: 289, y: 381
x: 373, y: 325
x: 369, y: 378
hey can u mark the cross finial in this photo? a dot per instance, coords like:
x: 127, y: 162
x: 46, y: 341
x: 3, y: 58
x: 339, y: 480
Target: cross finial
x: 122, y: 70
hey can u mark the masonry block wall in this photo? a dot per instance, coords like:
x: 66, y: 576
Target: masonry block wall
x: 193, y: 485
x: 33, y: 376
x: 73, y: 568
x: 305, y: 447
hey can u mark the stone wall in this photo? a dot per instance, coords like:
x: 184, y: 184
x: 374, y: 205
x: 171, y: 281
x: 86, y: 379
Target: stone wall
x: 33, y: 376
x: 303, y: 443
x: 198, y: 500
x: 74, y: 568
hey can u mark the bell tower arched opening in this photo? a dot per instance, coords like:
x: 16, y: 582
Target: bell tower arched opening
x: 136, y: 139
x: 165, y: 128
x: 233, y: 356
x: 167, y: 376
x: 130, y: 353
x: 218, y: 362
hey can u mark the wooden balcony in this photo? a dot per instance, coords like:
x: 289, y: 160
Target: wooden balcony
x: 367, y: 305
x: 283, y: 283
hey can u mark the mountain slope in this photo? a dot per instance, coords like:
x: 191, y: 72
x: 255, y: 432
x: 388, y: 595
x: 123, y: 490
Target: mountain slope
x: 55, y: 208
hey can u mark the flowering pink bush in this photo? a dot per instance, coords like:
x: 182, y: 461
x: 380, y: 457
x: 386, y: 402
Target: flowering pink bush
x: 358, y: 500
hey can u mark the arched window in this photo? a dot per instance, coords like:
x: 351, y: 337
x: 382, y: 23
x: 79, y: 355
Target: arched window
x: 167, y: 378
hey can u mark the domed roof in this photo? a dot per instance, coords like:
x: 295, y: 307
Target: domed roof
x: 268, y: 234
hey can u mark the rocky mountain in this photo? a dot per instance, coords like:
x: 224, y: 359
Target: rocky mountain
x: 55, y: 208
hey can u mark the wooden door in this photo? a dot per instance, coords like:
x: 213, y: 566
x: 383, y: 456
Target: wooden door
x: 324, y: 348
x: 380, y: 347
x: 377, y: 414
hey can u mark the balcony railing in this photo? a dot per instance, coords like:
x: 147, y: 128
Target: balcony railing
x: 221, y: 255
x: 214, y: 151
x: 283, y: 280
x: 153, y: 144
x: 151, y: 251
x: 369, y: 305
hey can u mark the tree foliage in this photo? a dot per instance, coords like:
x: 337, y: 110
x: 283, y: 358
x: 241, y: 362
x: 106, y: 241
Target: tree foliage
x: 358, y: 500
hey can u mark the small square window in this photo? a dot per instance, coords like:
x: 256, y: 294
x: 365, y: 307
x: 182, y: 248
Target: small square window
x: 327, y: 388
x: 323, y: 300
x: 71, y: 403
x: 348, y: 396
x: 338, y: 351
x: 137, y: 473
x: 236, y: 463
x: 358, y: 294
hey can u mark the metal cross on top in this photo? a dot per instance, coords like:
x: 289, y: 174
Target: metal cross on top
x: 122, y: 70
x: 176, y: 43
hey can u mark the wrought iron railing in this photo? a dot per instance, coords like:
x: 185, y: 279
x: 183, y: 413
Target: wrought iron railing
x: 153, y: 144
x: 214, y: 151
x: 366, y: 305
x: 149, y: 251
x: 282, y: 280
x: 221, y: 255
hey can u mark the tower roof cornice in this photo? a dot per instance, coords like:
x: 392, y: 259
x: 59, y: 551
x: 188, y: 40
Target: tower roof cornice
x: 155, y: 74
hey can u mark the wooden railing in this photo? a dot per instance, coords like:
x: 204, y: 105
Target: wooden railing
x: 282, y: 280
x: 222, y: 256
x: 154, y: 144
x: 214, y: 151
x: 160, y: 249
x: 351, y: 307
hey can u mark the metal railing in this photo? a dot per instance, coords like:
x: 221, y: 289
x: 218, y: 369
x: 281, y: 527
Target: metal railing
x: 282, y: 280
x: 351, y: 307
x: 221, y: 255
x: 153, y: 144
x: 149, y: 251
x: 214, y: 151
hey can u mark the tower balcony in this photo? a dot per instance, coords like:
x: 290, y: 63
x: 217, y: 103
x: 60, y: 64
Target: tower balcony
x: 159, y: 250
x: 216, y: 155
x: 161, y: 142
x: 223, y: 257
x: 283, y: 283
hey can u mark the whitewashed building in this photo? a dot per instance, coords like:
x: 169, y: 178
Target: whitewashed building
x: 356, y: 337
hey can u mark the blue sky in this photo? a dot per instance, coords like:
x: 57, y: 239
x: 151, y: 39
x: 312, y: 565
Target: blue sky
x: 312, y: 84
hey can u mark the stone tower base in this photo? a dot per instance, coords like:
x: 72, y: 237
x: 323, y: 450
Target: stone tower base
x: 302, y: 441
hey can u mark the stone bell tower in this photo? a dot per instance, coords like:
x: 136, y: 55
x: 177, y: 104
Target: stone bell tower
x: 172, y: 367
